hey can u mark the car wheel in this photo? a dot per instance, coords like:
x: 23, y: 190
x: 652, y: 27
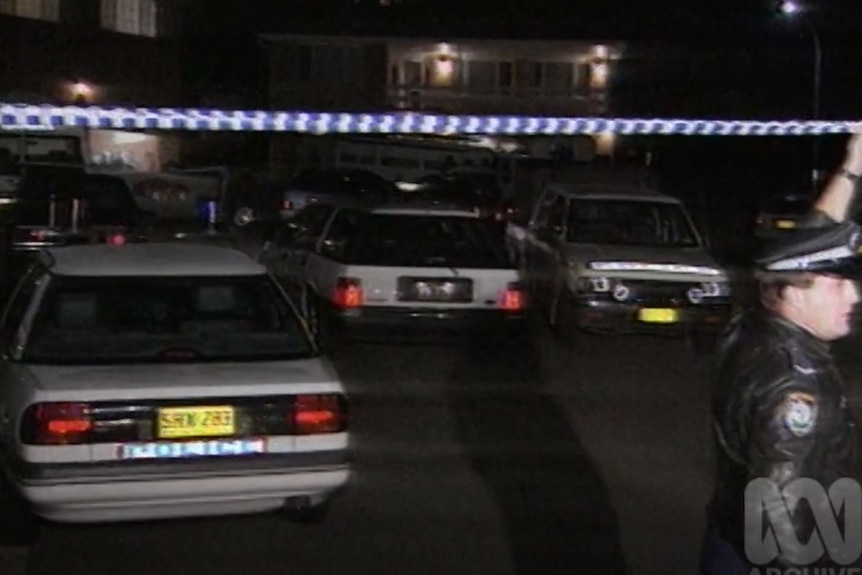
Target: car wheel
x: 306, y: 512
x: 19, y: 526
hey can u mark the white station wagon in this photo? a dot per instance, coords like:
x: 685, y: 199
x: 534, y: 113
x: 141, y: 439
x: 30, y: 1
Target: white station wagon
x: 407, y: 269
x: 150, y: 381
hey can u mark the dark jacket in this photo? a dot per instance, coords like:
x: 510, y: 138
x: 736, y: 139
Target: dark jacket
x: 780, y: 412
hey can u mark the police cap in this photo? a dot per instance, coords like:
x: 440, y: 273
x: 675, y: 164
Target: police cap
x: 831, y: 249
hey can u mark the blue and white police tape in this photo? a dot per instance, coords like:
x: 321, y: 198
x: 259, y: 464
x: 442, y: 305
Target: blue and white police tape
x: 32, y: 117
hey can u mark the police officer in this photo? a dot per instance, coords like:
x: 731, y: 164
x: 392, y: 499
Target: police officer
x: 779, y: 405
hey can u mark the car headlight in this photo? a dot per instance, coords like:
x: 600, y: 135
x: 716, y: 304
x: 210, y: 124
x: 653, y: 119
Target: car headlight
x: 716, y: 289
x: 595, y: 285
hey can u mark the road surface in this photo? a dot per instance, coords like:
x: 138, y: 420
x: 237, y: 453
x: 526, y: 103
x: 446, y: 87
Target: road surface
x: 593, y: 458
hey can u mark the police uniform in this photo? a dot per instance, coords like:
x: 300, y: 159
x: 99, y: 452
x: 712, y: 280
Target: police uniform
x: 779, y: 412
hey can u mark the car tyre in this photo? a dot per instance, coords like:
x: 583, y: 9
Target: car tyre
x: 307, y: 513
x: 19, y: 526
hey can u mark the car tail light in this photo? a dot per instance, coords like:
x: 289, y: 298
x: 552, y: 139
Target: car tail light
x: 116, y: 239
x: 318, y: 414
x: 57, y: 424
x: 512, y: 298
x: 348, y: 293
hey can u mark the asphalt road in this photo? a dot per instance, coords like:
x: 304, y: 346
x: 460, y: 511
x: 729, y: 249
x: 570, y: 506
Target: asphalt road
x: 542, y: 459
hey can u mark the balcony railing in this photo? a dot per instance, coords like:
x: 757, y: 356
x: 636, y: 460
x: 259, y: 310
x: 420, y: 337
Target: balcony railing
x: 538, y: 101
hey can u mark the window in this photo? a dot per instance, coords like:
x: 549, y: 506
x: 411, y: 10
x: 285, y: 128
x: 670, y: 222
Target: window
x: 305, y: 56
x: 423, y: 241
x: 481, y: 77
x: 631, y: 223
x: 559, y: 78
x: 394, y: 162
x: 136, y: 17
x: 35, y: 9
x: 341, y: 229
x: 116, y: 320
x: 551, y: 214
x: 19, y: 305
x: 43, y: 148
x: 312, y: 219
x: 505, y: 75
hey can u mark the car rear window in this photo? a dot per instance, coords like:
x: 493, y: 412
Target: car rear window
x: 116, y: 320
x: 420, y: 241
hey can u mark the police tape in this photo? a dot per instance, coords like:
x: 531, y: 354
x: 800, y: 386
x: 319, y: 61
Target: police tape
x: 44, y: 117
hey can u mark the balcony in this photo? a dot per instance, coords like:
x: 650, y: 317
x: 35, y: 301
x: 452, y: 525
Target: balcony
x: 528, y: 101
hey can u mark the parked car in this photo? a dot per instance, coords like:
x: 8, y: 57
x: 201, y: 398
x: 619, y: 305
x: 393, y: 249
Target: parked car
x: 335, y: 185
x: 781, y: 213
x: 621, y: 260
x: 149, y: 381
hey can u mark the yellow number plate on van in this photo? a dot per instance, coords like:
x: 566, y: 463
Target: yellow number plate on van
x: 654, y: 315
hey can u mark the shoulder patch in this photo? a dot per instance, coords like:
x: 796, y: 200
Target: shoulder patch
x: 799, y: 413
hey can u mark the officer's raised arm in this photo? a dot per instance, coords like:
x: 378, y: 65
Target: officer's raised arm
x: 837, y: 201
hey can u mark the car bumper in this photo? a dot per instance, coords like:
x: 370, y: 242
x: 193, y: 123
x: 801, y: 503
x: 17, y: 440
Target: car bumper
x: 625, y: 317
x: 119, y: 491
x: 423, y: 323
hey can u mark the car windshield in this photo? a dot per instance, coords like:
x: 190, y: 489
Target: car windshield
x: 632, y: 223
x: 118, y: 320
x: 42, y: 148
x: 423, y: 241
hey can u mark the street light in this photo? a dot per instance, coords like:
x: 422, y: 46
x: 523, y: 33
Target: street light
x: 794, y: 10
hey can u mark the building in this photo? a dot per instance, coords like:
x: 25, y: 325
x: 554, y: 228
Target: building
x: 99, y: 52
x: 467, y: 77
x: 460, y: 76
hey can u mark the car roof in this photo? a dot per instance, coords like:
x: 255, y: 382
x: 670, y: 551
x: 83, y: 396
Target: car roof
x: 600, y: 191
x: 418, y: 208
x: 150, y: 259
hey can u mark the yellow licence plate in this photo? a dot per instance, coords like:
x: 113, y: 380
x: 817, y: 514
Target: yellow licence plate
x: 785, y: 224
x: 653, y: 315
x: 185, y: 422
